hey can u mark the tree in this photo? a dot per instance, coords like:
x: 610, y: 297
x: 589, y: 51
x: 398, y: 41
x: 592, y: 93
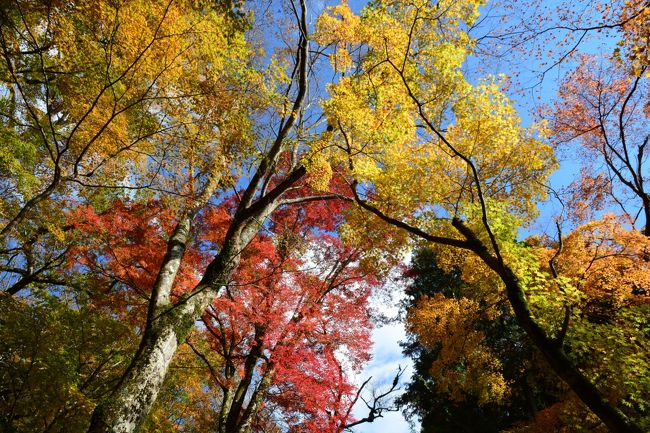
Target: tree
x: 96, y: 99
x: 444, y: 160
x: 604, y: 268
x: 183, y: 82
x: 56, y: 363
x: 606, y: 337
x: 273, y: 341
x: 186, y: 402
x: 154, y: 152
x: 281, y: 337
x: 450, y: 390
x: 150, y: 88
x: 601, y: 52
x: 603, y: 107
x: 286, y: 164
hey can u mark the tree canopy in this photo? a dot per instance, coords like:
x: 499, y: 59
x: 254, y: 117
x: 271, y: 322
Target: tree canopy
x: 198, y: 200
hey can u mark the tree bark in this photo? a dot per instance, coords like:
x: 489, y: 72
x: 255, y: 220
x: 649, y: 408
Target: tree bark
x: 235, y: 412
x: 169, y: 327
x: 646, y: 214
x: 246, y: 423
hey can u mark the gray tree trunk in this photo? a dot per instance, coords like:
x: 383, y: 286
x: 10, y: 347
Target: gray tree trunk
x: 168, y: 325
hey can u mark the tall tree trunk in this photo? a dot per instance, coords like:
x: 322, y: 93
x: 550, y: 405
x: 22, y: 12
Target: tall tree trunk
x: 137, y: 391
x: 227, y: 397
x: 169, y: 325
x: 246, y: 423
x: 646, y: 214
x: 125, y: 409
x: 235, y: 412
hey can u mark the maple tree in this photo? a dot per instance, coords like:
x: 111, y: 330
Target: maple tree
x: 272, y: 342
x: 139, y: 63
x: 467, y: 177
x: 604, y: 267
x: 607, y: 263
x: 603, y: 107
x: 600, y: 52
x: 287, y: 326
x: 535, y: 38
x: 96, y: 98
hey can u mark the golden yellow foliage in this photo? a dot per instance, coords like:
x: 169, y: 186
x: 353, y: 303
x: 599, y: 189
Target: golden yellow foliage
x: 408, y: 121
x: 130, y: 89
x: 464, y: 364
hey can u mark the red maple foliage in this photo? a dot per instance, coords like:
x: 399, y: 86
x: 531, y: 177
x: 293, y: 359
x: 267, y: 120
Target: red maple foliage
x: 290, y: 326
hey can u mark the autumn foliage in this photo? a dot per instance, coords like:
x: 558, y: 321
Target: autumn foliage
x: 198, y: 201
